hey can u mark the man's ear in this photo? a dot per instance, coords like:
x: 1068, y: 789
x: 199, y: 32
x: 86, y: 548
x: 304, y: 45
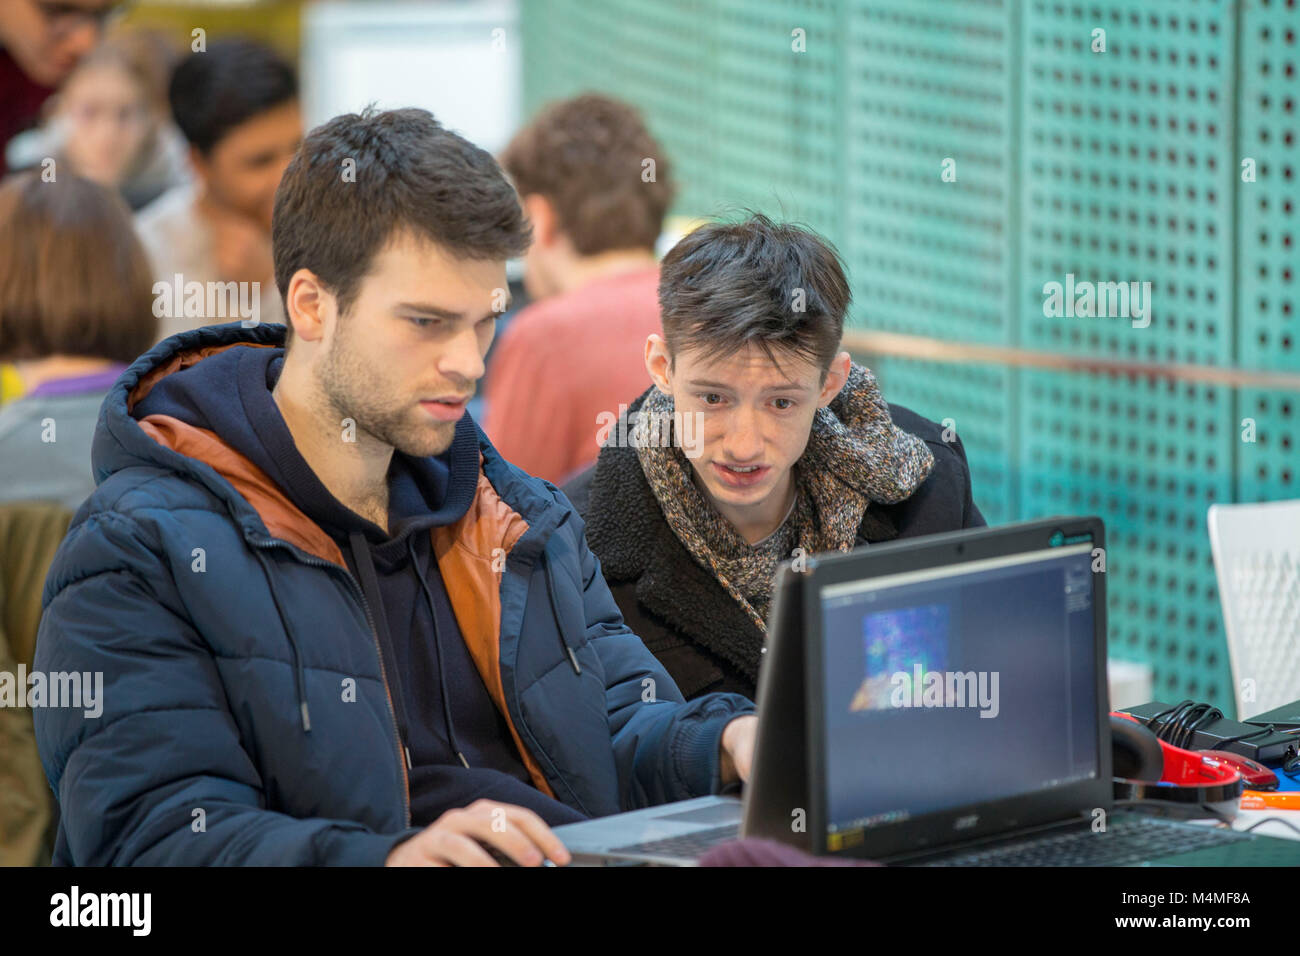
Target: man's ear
x: 836, y: 376
x: 309, y: 305
x: 658, y: 362
x: 541, y: 214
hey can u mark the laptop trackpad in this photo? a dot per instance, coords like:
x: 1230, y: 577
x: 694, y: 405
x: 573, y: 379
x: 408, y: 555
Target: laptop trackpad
x: 717, y: 814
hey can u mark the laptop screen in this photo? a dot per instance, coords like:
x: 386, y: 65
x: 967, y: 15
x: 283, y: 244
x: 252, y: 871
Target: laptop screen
x: 953, y: 686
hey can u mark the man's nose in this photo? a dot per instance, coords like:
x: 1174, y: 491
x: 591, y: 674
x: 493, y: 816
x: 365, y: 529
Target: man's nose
x: 462, y: 358
x: 743, y: 441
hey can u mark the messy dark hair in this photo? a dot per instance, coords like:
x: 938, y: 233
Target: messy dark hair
x: 779, y: 286
x: 361, y: 179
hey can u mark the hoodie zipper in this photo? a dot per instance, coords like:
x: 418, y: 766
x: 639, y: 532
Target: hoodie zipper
x: 402, y: 760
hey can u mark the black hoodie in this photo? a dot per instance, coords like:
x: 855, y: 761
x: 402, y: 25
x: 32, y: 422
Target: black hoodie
x: 458, y: 744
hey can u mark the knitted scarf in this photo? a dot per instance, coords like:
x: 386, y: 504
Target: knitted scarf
x: 855, y: 455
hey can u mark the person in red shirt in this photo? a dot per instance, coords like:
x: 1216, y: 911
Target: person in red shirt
x: 41, y: 41
x: 595, y: 186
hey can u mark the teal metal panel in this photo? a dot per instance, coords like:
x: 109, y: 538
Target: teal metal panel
x: 1268, y: 230
x: 1127, y: 177
x: 927, y: 83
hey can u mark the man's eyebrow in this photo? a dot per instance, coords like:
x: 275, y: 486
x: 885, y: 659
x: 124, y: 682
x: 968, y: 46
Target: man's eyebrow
x: 425, y: 308
x: 702, y: 383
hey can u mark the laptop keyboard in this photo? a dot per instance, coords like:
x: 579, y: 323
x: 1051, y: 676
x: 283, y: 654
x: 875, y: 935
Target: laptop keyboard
x: 1124, y: 842
x: 686, y: 846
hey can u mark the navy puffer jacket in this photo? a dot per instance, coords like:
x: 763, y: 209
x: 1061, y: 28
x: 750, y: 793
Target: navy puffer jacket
x: 246, y: 717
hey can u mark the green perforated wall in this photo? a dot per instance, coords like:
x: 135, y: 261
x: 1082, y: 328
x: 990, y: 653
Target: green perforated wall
x: 745, y: 119
x: 1122, y: 165
x: 929, y: 84
x: 1126, y: 170
x: 1267, y: 236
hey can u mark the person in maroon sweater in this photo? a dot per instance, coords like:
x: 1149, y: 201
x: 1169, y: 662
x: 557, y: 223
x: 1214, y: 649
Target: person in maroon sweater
x: 41, y: 41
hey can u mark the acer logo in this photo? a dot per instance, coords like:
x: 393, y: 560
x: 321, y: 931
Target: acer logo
x: 966, y: 822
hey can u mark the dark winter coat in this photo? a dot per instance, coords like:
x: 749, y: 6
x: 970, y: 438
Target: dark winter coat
x: 246, y: 714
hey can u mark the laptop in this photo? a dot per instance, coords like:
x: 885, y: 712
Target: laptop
x: 935, y: 701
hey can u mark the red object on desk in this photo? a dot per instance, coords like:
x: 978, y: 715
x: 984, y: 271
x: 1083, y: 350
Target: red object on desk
x: 1256, y: 775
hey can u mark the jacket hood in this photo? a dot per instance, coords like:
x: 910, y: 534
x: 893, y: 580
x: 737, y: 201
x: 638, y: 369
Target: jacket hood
x: 123, y: 439
x: 122, y: 442
x: 230, y: 394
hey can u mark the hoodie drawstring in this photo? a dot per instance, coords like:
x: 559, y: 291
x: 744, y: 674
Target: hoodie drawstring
x: 369, y: 582
x: 437, y: 638
x: 555, y: 613
x: 299, y: 675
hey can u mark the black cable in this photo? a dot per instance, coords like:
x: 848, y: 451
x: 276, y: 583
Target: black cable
x: 1291, y: 765
x: 1171, y: 731
x: 1184, y: 720
x: 1269, y: 729
x: 1210, y: 715
x: 1257, y: 823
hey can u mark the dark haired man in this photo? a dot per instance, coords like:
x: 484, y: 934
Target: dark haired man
x: 335, y: 625
x: 767, y: 442
x: 237, y: 105
x: 595, y: 186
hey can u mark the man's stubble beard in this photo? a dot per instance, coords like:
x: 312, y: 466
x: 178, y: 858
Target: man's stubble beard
x: 353, y: 391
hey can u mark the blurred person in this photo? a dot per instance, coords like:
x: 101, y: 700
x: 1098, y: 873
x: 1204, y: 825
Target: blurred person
x: 332, y: 615
x: 595, y: 186
x: 237, y: 107
x: 111, y: 124
x: 76, y: 306
x: 763, y: 441
x: 41, y: 41
x: 11, y: 385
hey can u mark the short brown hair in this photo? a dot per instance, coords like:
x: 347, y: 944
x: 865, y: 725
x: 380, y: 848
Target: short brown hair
x: 360, y: 179
x: 778, y: 286
x: 74, y: 279
x: 586, y: 155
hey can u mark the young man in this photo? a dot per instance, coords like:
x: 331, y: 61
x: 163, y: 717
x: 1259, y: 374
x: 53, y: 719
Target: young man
x: 780, y: 446
x: 237, y: 106
x: 334, y: 624
x: 595, y: 187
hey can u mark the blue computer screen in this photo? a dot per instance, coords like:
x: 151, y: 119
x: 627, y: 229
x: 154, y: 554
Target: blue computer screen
x: 950, y: 687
